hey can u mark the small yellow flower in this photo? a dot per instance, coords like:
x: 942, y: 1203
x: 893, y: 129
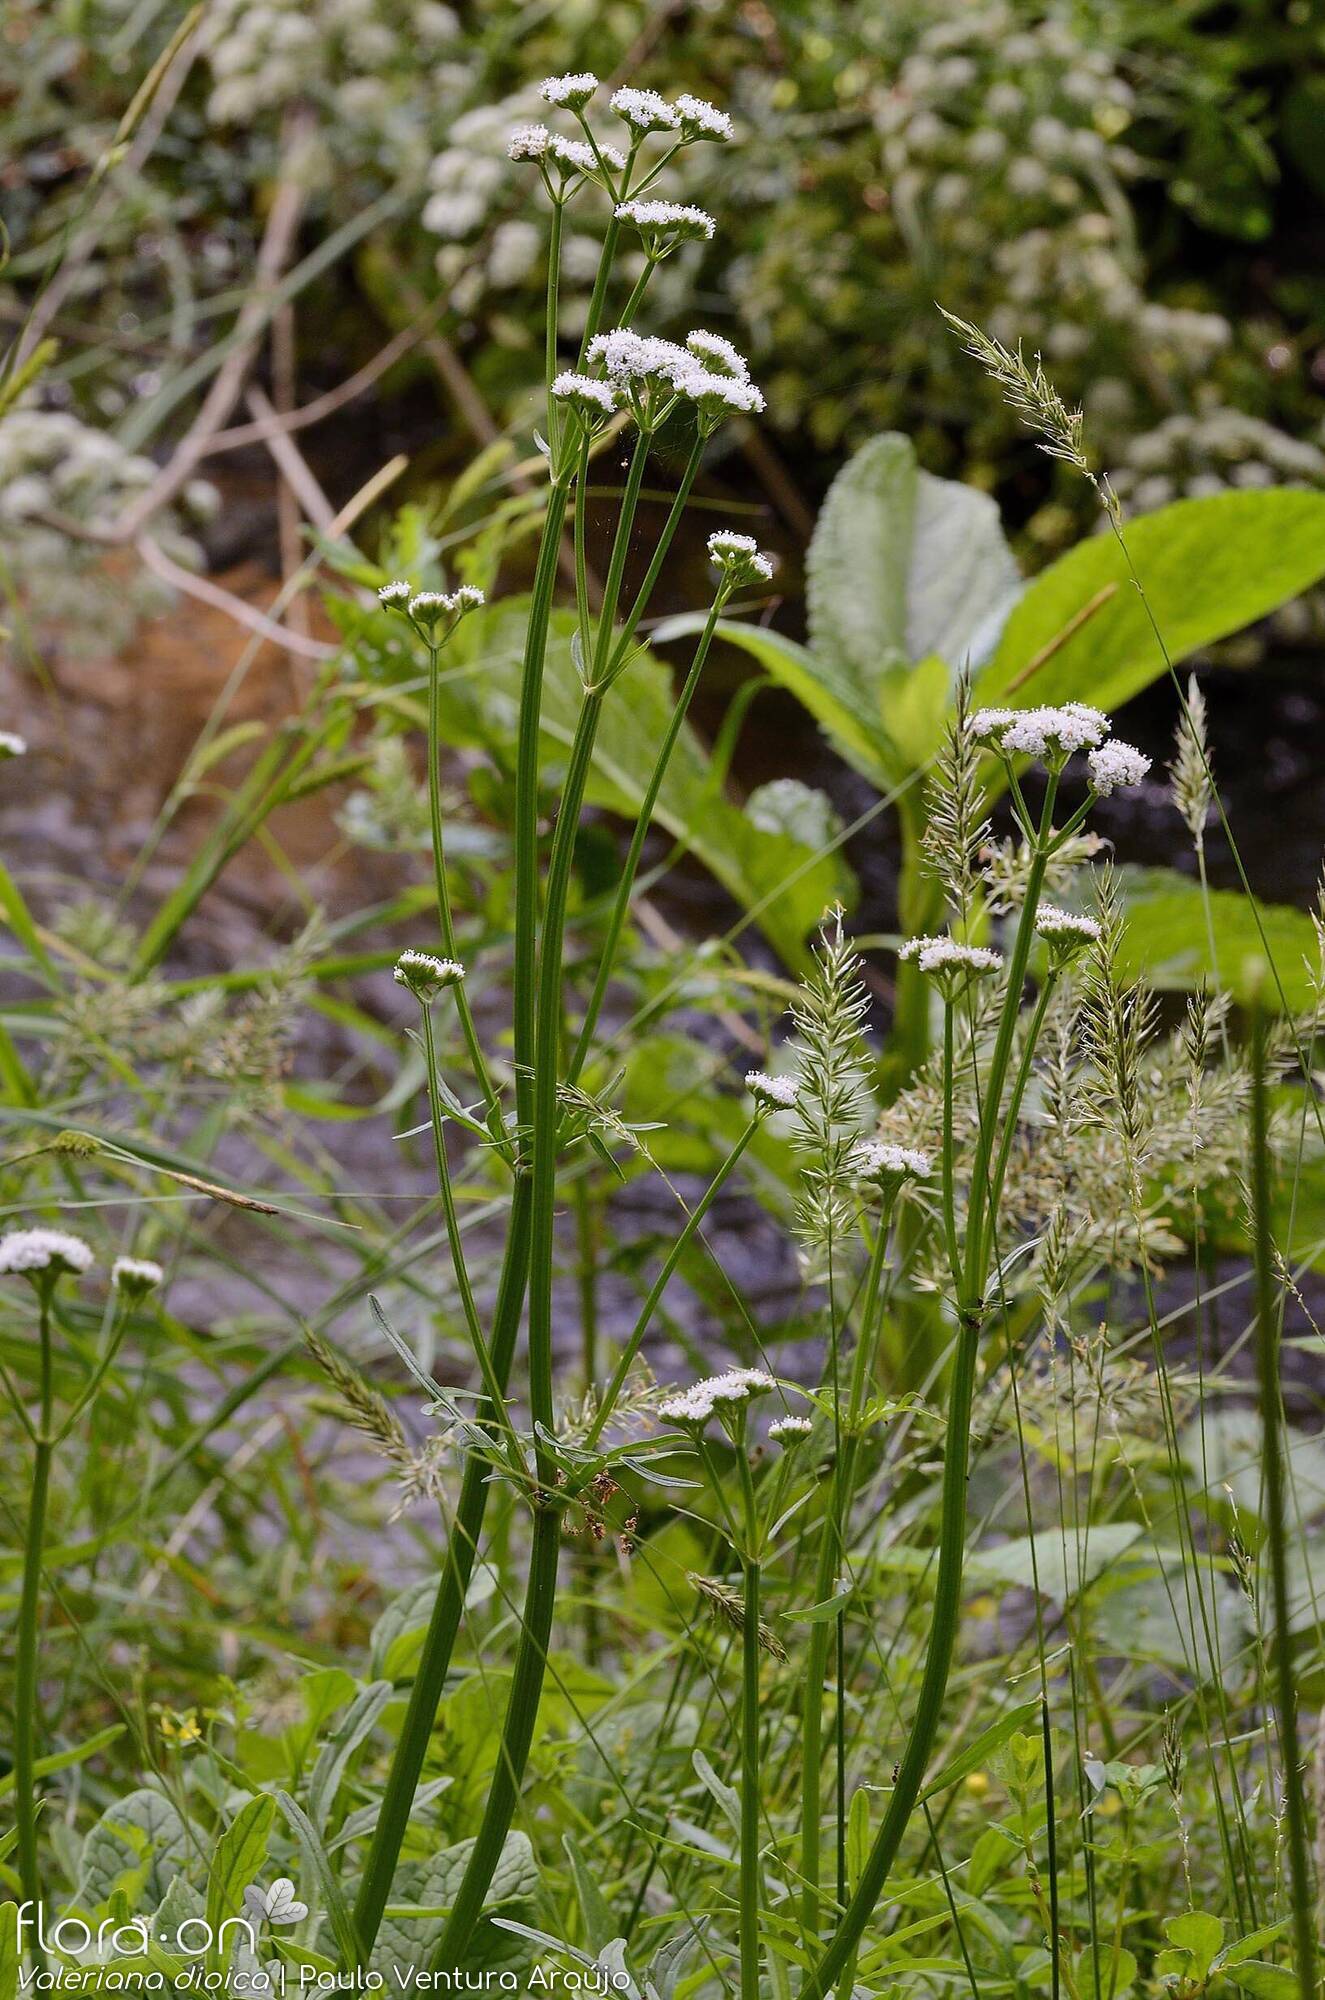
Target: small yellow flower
x: 182, y: 1729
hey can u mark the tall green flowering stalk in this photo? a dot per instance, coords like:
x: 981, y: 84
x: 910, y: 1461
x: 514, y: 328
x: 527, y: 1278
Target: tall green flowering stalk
x: 648, y: 382
x: 1051, y: 736
x: 728, y: 1397
x: 44, y: 1257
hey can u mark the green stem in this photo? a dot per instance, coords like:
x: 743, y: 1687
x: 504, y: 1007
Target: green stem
x: 749, y: 1868
x: 956, y: 1457
x: 1272, y: 1462
x: 832, y: 1552
x: 947, y: 1604
x: 447, y: 1612
x: 462, y: 1543
x: 26, y: 1691
x: 541, y: 1092
x: 445, y: 920
x: 517, y: 1735
x: 494, y: 1389
x: 621, y: 904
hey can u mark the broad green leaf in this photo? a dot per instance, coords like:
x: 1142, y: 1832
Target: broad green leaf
x: 846, y: 711
x: 724, y: 1795
x: 329, y: 1890
x: 983, y: 1747
x: 1061, y: 1571
x: 599, y: 1924
x: 1115, y: 1973
x: 1168, y: 938
x: 1208, y: 568
x: 1265, y: 1981
x: 1199, y: 1935
x: 236, y: 1863
x: 421, y: 1897
x: 335, y: 1754
x: 140, y: 1839
x: 903, y: 565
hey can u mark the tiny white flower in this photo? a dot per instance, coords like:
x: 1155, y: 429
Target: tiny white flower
x: 135, y: 1276
x: 678, y: 221
x: 718, y: 396
x: 1064, y: 928
x: 786, y: 1430
x: 424, y: 974
x: 717, y: 354
x: 528, y: 142
x: 427, y: 606
x: 578, y: 156
x: 1116, y: 764
x: 702, y: 120
x: 877, y: 1160
x: 1053, y: 733
x: 24, y: 1251
x: 585, y: 393
x: 945, y: 956
x: 11, y: 745
x: 644, y: 111
x: 572, y: 92
x: 394, y: 593
x: 628, y: 357
x: 772, y: 1093
x: 723, y: 1393
x: 467, y: 598
x: 739, y: 557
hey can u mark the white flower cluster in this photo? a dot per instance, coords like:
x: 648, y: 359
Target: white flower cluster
x: 429, y: 607
x: 1041, y: 732
x: 136, y: 1276
x: 663, y: 224
x: 877, y: 1160
x: 53, y: 466
x: 739, y: 557
x: 25, y: 1251
x: 357, y: 60
x: 772, y: 1093
x: 1065, y: 928
x: 1194, y: 457
x: 424, y: 974
x: 1116, y: 766
x: 1055, y: 734
x: 12, y: 745
x: 786, y: 1430
x: 646, y: 373
x: 728, y: 1391
x: 945, y: 956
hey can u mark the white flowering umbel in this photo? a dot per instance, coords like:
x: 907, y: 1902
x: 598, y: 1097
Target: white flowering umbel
x: 434, y: 614
x: 43, y: 1254
x: 1065, y: 932
x: 726, y: 1396
x: 772, y: 1093
x: 889, y: 1167
x: 1117, y: 767
x: 135, y: 1277
x: 1051, y: 735
x: 425, y: 975
x: 739, y: 559
x: 951, y: 964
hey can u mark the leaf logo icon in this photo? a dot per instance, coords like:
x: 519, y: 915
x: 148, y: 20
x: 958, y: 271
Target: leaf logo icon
x: 277, y: 1905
